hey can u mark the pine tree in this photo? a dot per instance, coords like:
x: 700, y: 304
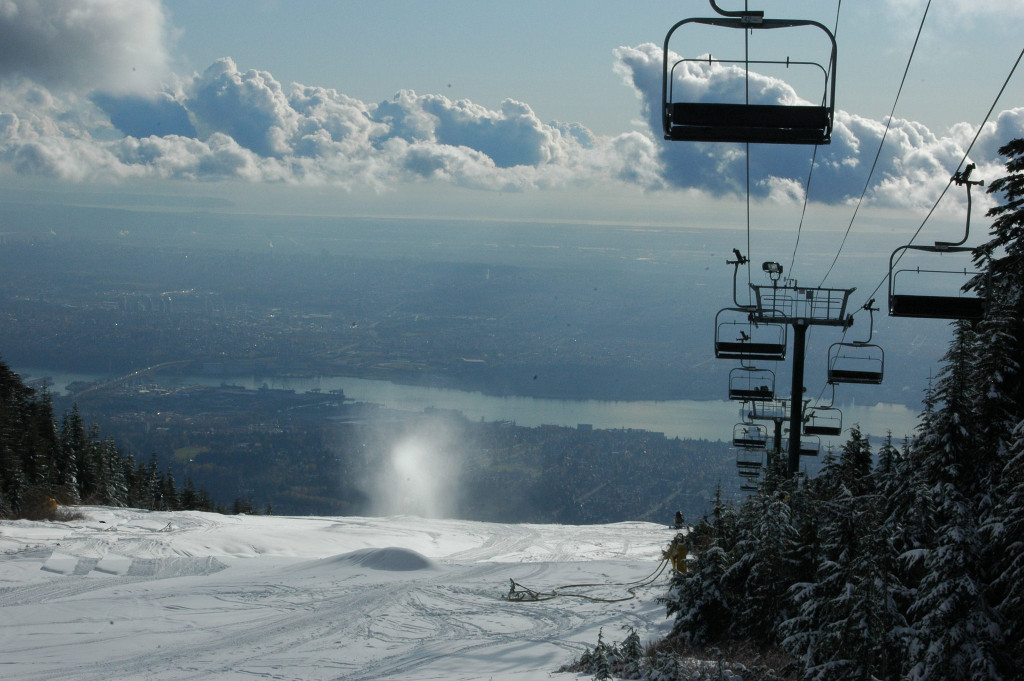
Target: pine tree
x: 1007, y: 534
x: 903, y: 530
x: 42, y: 444
x: 697, y: 597
x: 846, y: 612
x: 70, y: 453
x: 169, y: 491
x: 1002, y: 405
x: 189, y: 500
x: 764, y: 569
x: 1001, y: 283
x: 957, y: 633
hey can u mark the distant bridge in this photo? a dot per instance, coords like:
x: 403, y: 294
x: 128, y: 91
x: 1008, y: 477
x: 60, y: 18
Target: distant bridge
x: 128, y: 378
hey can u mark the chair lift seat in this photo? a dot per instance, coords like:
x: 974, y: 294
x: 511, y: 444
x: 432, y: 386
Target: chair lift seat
x: 758, y: 393
x: 811, y: 429
x: 936, y: 307
x: 854, y: 376
x: 756, y: 123
x: 741, y: 350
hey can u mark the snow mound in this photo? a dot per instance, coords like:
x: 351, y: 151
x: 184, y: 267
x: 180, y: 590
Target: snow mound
x: 391, y: 558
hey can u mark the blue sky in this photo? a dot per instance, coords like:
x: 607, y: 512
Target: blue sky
x: 530, y: 109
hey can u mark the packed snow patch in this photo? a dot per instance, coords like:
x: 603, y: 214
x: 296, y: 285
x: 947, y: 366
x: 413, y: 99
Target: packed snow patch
x: 353, y: 598
x: 390, y: 558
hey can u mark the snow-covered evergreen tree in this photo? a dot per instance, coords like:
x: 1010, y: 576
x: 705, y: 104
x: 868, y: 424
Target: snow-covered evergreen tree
x: 696, y: 597
x: 1005, y: 533
x: 1001, y: 408
x: 957, y: 634
x: 848, y: 620
x: 758, y: 581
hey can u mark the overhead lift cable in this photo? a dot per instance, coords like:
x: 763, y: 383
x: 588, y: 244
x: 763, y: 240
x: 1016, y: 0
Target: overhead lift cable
x: 698, y: 121
x: 810, y: 173
x: 960, y: 165
x: 881, y: 143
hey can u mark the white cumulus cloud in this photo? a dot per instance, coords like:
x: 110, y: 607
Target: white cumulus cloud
x: 227, y: 123
x: 914, y: 165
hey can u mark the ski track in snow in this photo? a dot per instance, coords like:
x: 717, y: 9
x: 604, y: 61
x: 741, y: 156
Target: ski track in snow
x: 128, y: 594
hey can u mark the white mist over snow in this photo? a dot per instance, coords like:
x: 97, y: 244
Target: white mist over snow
x: 129, y: 594
x: 415, y: 467
x: 420, y: 478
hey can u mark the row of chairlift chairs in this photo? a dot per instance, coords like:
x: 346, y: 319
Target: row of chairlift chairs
x: 738, y: 336
x: 917, y: 286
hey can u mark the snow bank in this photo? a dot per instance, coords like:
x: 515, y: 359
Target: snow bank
x: 391, y: 558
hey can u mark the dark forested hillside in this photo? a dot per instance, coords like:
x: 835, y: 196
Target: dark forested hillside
x: 317, y: 454
x: 44, y: 464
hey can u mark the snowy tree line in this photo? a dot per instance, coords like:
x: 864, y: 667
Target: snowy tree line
x: 45, y: 464
x: 903, y: 564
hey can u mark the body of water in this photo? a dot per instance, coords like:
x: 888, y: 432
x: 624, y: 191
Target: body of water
x: 708, y: 420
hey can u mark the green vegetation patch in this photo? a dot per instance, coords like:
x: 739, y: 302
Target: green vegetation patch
x: 186, y: 454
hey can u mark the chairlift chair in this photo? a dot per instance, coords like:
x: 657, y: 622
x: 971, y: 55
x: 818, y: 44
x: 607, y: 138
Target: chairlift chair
x: 809, y: 446
x: 927, y: 292
x: 736, y: 337
x: 749, y: 436
x: 685, y: 120
x: 765, y: 410
x: 748, y: 487
x: 918, y: 298
x: 749, y: 459
x: 751, y: 383
x: 856, y: 363
x: 827, y: 421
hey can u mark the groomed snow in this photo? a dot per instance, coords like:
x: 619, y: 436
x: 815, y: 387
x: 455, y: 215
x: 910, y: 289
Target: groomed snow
x: 129, y: 594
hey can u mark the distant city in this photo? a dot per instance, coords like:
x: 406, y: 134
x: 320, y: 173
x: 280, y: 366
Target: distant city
x: 570, y: 312
x: 164, y: 315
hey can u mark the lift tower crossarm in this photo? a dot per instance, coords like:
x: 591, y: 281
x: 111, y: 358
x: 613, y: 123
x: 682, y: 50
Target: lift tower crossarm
x: 800, y: 307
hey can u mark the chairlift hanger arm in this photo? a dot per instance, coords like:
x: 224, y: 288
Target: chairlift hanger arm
x: 962, y: 179
x: 739, y: 261
x: 870, y: 307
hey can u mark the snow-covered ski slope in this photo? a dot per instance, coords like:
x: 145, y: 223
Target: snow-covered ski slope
x: 128, y: 594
